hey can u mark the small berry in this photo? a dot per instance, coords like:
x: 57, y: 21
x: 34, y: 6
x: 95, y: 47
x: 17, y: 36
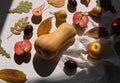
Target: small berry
x: 28, y: 29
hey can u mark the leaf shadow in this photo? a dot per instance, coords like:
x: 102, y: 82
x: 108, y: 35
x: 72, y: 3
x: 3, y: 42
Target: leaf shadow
x: 4, y: 8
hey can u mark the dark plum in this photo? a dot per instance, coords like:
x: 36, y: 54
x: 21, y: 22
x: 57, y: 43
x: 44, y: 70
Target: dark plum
x: 70, y: 64
x: 116, y: 26
x: 72, y: 3
x: 28, y: 29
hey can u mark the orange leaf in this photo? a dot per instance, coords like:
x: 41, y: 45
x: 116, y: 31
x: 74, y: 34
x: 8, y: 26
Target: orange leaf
x: 45, y: 27
x: 97, y: 32
x: 12, y: 75
x: 56, y: 3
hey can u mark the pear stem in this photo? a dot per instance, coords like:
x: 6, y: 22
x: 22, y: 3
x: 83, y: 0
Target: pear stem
x: 98, y: 2
x: 47, y: 8
x: 43, y: 5
x: 52, y: 13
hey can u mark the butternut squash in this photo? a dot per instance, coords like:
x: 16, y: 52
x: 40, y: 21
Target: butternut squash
x: 49, y: 45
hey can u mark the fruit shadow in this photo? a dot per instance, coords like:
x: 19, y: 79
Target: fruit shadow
x: 25, y: 58
x: 84, y: 2
x: 107, y: 5
x: 45, y: 67
x: 111, y: 12
x: 101, y: 72
x: 58, y: 23
x: 71, y: 9
x: 79, y: 30
x: 4, y: 8
x: 36, y: 19
x: 69, y: 72
x: 28, y: 36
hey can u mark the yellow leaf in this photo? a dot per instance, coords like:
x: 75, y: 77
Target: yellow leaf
x: 97, y: 32
x: 12, y: 75
x: 45, y: 27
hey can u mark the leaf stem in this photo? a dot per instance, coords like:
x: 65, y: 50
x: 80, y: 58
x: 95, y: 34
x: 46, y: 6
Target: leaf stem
x: 9, y: 36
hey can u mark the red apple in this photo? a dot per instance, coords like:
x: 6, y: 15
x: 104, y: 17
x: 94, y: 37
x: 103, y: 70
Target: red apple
x: 81, y: 19
x: 116, y: 26
x: 22, y: 47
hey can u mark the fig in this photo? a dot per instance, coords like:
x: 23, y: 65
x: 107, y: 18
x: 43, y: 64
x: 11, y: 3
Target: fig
x: 38, y: 11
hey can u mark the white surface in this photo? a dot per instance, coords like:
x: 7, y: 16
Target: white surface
x: 86, y: 73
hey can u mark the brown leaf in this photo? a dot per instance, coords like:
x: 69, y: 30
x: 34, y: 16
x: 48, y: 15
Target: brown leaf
x: 45, y: 27
x: 12, y: 75
x: 97, y: 32
x: 56, y: 3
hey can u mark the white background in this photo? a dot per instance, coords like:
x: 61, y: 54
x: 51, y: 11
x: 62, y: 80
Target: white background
x: 8, y: 44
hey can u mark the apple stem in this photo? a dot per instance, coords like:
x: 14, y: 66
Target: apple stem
x: 9, y: 36
x: 85, y: 13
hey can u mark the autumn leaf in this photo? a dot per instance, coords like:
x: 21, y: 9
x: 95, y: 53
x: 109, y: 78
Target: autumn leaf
x: 12, y: 76
x: 45, y: 27
x: 3, y: 51
x: 97, y: 32
x: 56, y: 3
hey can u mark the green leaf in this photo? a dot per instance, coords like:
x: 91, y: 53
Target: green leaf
x: 3, y: 52
x: 24, y: 6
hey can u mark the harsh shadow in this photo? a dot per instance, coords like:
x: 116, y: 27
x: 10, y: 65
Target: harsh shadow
x: 84, y: 2
x: 58, y: 23
x: 28, y: 36
x: 79, y: 30
x: 112, y: 72
x: 70, y: 8
x: 4, y: 8
x: 101, y: 72
x: 44, y: 67
x: 107, y: 5
x: 68, y: 71
x: 116, y: 44
x: 112, y: 11
x: 25, y: 58
x: 36, y: 19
